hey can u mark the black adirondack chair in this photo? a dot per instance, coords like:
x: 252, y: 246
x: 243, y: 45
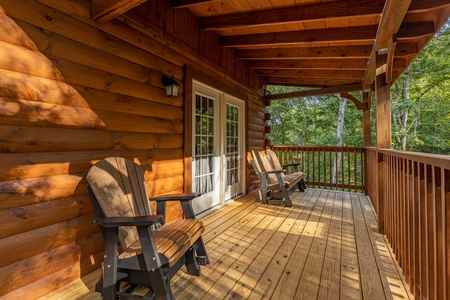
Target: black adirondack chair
x: 140, y: 249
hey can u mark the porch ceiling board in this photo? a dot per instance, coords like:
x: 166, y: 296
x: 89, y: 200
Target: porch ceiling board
x: 309, y: 12
x: 317, y: 64
x: 360, y: 33
x: 337, y: 35
x: 308, y: 81
x: 402, y: 49
x: 336, y: 74
x: 105, y: 10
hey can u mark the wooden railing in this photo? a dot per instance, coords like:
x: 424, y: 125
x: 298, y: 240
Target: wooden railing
x: 322, y: 168
x: 411, y: 195
x: 414, y: 210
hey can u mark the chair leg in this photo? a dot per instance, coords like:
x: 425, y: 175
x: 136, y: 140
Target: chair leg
x: 287, y: 197
x: 160, y: 285
x: 263, y: 196
x: 200, y: 249
x: 109, y: 281
x: 300, y: 186
x: 192, y: 266
x: 259, y: 198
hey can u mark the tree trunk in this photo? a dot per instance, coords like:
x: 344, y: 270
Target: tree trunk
x: 339, y: 134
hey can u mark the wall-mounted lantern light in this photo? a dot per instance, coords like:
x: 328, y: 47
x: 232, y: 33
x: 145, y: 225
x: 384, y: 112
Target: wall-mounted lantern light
x: 172, y: 87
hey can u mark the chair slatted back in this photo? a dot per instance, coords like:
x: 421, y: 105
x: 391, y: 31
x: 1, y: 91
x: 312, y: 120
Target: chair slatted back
x: 274, y: 162
x: 263, y: 164
x: 119, y: 186
x: 257, y: 161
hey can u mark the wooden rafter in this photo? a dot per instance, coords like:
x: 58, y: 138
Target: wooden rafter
x: 316, y: 92
x: 361, y: 33
x: 327, y: 10
x: 393, y: 14
x: 337, y: 63
x: 309, y: 73
x: 308, y: 81
x: 187, y: 3
x: 283, y: 53
x: 426, y: 5
x: 402, y: 49
x: 105, y: 10
x: 414, y: 30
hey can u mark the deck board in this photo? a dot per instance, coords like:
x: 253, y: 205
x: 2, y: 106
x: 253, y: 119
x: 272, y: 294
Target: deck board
x: 324, y: 247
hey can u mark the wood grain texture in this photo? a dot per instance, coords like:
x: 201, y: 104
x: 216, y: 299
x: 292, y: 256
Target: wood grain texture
x: 254, y: 248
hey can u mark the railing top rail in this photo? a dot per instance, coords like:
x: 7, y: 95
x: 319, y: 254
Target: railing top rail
x: 334, y: 148
x: 436, y: 160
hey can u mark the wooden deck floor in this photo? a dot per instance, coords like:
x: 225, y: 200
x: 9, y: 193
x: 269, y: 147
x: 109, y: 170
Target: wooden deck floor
x: 324, y: 247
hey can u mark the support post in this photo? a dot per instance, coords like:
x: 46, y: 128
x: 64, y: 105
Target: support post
x: 367, y: 130
x: 367, y: 135
x: 383, y: 139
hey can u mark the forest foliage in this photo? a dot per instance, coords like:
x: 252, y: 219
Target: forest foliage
x: 420, y: 103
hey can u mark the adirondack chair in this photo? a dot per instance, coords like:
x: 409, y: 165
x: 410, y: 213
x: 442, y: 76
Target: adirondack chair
x: 276, y: 186
x: 297, y: 178
x: 150, y: 251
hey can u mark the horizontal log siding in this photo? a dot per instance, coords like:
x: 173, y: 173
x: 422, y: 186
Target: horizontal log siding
x: 73, y: 92
x: 256, y: 138
x: 182, y: 24
x: 416, y: 218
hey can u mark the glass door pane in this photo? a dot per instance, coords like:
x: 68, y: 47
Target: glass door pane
x: 204, y: 145
x: 232, y: 142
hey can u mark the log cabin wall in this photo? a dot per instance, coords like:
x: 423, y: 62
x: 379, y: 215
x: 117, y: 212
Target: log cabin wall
x: 73, y: 91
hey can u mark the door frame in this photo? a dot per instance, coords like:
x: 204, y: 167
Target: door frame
x: 188, y: 132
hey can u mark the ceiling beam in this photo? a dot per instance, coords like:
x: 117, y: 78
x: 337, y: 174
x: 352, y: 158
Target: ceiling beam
x: 303, y: 52
x: 308, y: 81
x: 393, y: 14
x: 323, y: 63
x: 187, y: 3
x: 320, y: 64
x: 301, y: 13
x: 316, y: 92
x: 361, y: 33
x: 361, y: 51
x: 338, y: 74
x: 415, y: 30
x: 426, y: 5
x: 104, y: 10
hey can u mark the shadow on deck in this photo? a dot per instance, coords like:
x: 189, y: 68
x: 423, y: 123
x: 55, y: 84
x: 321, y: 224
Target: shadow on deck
x: 324, y: 247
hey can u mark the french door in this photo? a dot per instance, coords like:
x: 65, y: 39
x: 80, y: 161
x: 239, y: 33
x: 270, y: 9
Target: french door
x: 218, y: 150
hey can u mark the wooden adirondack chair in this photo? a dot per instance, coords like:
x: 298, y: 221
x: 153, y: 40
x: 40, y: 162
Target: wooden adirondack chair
x: 276, y: 186
x: 294, y: 179
x: 150, y: 251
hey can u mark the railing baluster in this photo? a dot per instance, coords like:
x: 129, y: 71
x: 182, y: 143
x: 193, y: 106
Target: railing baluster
x: 330, y: 169
x: 354, y: 173
x: 320, y: 165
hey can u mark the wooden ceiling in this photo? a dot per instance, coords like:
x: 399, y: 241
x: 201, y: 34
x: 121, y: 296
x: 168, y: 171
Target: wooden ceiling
x: 313, y: 43
x: 321, y: 43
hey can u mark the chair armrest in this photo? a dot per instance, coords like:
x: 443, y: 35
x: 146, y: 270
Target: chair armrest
x: 129, y: 221
x: 272, y: 172
x: 174, y: 197
x: 290, y: 165
x: 185, y: 200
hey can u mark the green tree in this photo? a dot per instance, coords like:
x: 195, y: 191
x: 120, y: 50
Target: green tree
x: 421, y: 99
x: 311, y: 120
